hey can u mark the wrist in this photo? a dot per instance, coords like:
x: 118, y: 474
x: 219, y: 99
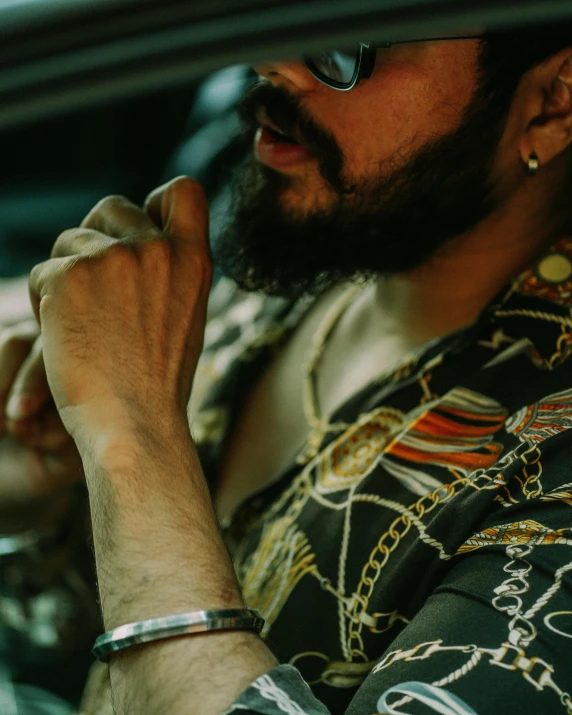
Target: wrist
x: 157, y: 543
x: 118, y: 435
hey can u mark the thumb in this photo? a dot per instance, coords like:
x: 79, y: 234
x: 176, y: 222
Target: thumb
x: 180, y: 210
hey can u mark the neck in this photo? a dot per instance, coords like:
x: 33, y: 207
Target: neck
x: 449, y: 292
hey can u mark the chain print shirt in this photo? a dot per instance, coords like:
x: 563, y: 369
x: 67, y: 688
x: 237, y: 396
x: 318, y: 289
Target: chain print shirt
x: 421, y: 562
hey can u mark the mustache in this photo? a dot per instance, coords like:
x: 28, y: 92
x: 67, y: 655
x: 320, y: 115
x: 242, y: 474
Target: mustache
x: 287, y: 113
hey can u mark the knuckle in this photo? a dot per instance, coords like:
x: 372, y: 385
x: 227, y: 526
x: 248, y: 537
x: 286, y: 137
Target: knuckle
x: 157, y: 251
x: 118, y: 251
x: 69, y: 233
x: 105, y: 207
x: 184, y: 183
x: 183, y: 187
x: 70, y: 279
x: 65, y: 240
x: 120, y: 259
x: 76, y: 272
x: 110, y: 203
x: 64, y: 237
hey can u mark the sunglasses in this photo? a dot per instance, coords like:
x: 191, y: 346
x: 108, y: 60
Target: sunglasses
x: 343, y: 69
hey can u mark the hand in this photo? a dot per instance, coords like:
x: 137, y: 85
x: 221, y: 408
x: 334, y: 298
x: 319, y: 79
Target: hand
x: 38, y: 458
x: 122, y: 309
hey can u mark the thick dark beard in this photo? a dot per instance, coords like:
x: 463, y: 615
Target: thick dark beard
x: 393, y: 223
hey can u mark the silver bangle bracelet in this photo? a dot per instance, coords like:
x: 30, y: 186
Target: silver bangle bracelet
x: 184, y: 624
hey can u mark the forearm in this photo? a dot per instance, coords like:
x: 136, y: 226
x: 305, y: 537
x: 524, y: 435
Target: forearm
x: 159, y: 552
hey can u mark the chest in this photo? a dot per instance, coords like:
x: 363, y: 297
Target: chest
x: 273, y: 426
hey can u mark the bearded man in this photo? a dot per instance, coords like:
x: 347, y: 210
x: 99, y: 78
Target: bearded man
x: 381, y: 416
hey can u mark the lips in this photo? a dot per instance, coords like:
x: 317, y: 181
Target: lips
x: 265, y: 121
x: 276, y: 149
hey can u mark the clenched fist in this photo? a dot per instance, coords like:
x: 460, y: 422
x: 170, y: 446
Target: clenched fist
x: 121, y: 306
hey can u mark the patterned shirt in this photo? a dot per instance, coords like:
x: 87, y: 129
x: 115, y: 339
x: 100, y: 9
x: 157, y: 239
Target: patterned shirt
x: 420, y: 560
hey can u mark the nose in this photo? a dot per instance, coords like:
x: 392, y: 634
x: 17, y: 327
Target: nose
x: 292, y: 74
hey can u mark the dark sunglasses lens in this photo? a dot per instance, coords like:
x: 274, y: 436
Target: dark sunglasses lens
x: 337, y: 65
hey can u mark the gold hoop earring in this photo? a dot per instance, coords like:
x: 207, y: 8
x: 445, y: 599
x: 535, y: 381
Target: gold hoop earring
x: 533, y: 164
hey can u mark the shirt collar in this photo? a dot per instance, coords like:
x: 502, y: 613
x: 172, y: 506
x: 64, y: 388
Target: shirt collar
x: 537, y: 306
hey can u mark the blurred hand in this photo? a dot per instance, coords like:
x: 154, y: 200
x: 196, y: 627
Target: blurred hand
x: 38, y: 458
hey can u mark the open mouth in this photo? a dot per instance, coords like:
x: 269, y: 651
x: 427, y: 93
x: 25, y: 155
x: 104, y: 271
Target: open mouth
x: 274, y: 131
x: 278, y: 149
x: 280, y: 136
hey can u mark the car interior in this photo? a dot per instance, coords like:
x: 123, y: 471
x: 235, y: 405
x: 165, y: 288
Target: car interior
x: 115, y: 97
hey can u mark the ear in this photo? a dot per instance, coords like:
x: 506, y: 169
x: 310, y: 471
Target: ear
x: 549, y: 122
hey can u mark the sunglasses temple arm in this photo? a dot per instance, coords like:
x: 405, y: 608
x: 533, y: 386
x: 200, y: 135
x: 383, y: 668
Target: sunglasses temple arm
x: 387, y: 45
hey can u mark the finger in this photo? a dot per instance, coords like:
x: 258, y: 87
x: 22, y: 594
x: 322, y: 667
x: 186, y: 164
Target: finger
x: 81, y: 241
x: 15, y: 345
x: 30, y: 391
x: 180, y: 209
x: 117, y: 217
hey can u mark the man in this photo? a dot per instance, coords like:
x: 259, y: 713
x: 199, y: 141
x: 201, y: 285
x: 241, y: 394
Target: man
x: 391, y: 457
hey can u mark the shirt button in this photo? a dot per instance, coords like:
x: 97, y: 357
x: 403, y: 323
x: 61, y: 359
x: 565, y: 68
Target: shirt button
x: 555, y: 268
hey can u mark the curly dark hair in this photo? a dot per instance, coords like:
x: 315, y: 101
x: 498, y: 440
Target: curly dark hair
x: 507, y: 56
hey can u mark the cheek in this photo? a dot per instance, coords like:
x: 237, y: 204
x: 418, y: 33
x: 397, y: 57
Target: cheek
x: 394, y: 115
x: 373, y: 129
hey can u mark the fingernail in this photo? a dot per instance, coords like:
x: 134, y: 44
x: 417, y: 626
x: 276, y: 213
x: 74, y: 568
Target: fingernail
x: 18, y: 407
